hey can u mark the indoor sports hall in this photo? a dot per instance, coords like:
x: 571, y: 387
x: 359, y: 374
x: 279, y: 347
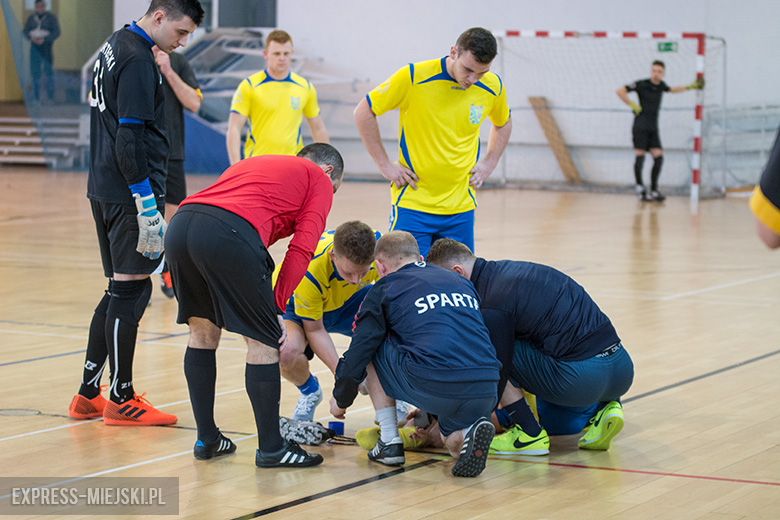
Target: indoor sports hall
x: 692, y: 291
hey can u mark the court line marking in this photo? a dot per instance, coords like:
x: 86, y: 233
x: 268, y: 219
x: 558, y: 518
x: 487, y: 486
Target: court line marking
x: 642, y: 472
x: 701, y: 376
x: 333, y: 491
x: 80, y: 423
x: 722, y: 286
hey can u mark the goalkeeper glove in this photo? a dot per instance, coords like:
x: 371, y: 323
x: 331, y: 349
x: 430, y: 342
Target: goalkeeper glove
x: 697, y: 85
x: 151, y: 224
x: 635, y: 108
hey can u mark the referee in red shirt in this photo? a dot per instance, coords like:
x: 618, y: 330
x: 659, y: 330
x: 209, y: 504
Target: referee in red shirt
x: 216, y: 247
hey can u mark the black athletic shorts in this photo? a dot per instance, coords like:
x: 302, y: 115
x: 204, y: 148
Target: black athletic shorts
x: 221, y: 271
x: 646, y: 139
x: 117, y: 232
x: 175, y: 184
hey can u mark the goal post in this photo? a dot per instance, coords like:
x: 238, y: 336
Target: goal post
x: 573, y: 76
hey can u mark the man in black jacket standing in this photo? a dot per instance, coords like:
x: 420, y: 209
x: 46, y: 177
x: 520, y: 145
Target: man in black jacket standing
x: 42, y: 28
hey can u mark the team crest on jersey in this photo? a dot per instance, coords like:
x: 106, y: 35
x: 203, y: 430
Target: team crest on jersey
x: 237, y: 97
x: 295, y: 102
x: 475, y: 114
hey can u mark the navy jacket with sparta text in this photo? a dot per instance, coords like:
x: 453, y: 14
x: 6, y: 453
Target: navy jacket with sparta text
x: 543, y: 306
x: 433, y: 316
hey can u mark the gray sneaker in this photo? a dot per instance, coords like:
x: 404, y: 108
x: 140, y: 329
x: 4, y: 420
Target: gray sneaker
x: 304, y: 410
x: 311, y: 433
x: 390, y: 454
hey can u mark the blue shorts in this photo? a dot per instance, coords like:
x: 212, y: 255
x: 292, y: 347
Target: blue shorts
x: 339, y: 320
x: 454, y: 413
x: 570, y: 391
x: 429, y: 227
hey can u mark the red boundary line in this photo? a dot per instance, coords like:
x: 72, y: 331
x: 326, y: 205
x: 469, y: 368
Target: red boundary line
x: 642, y: 472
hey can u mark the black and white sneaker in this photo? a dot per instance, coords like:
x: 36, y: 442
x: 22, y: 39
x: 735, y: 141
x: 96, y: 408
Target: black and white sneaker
x: 476, y: 444
x: 390, y: 454
x: 656, y: 196
x: 222, y: 446
x: 304, y: 432
x: 641, y: 193
x: 290, y: 455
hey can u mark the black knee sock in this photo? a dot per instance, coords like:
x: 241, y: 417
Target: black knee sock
x: 200, y: 370
x: 125, y: 308
x: 657, y: 163
x: 97, y: 352
x: 521, y: 414
x: 264, y: 387
x: 639, y: 163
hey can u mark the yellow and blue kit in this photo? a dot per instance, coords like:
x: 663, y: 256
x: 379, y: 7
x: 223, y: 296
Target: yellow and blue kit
x: 439, y: 125
x: 324, y: 294
x: 765, y: 201
x: 275, y: 109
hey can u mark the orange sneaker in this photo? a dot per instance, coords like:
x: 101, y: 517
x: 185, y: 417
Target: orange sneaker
x: 82, y: 408
x: 135, y: 412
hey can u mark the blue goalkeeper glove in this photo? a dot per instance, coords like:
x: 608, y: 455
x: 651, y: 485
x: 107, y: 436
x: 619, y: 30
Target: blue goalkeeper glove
x: 151, y: 224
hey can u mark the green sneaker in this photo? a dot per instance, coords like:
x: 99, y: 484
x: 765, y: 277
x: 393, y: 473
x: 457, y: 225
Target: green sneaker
x: 517, y: 442
x: 603, y: 427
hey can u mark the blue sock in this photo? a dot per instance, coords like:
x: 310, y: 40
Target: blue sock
x: 310, y: 386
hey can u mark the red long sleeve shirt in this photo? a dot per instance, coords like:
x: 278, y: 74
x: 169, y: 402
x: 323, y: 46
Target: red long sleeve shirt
x: 279, y: 195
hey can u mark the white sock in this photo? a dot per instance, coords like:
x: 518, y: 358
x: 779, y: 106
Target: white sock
x: 388, y: 425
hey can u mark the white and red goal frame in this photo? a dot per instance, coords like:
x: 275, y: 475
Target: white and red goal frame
x: 701, y: 46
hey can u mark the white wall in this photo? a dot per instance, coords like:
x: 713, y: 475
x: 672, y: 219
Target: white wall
x: 373, y: 38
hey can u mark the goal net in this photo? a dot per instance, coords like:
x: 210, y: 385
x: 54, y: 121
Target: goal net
x: 571, y: 129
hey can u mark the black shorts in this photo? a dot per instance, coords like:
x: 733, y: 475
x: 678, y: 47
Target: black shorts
x: 221, y: 271
x: 176, y: 183
x: 646, y: 139
x: 117, y: 232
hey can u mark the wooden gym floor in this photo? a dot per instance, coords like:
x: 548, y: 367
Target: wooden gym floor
x: 696, y: 300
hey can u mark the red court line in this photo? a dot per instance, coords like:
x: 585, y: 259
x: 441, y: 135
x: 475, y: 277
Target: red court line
x: 642, y: 472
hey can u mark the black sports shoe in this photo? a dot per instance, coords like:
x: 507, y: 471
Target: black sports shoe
x: 390, y: 454
x: 290, y: 455
x: 656, y: 196
x: 222, y: 446
x: 473, y: 455
x: 304, y: 432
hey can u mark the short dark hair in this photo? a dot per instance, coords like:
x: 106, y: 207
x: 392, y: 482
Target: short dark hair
x: 176, y: 9
x: 397, y: 247
x: 446, y: 252
x: 355, y: 241
x: 480, y: 43
x: 660, y: 64
x: 324, y: 154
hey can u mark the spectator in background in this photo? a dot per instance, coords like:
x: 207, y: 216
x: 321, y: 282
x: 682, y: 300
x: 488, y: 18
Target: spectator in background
x: 42, y: 28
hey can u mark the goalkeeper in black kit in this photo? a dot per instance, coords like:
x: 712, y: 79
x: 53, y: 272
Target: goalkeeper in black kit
x: 645, y: 130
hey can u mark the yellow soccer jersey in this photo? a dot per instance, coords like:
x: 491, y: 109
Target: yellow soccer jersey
x: 322, y: 289
x: 275, y: 110
x: 439, y: 132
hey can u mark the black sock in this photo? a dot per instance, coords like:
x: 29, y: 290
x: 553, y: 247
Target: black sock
x: 521, y: 415
x: 657, y: 163
x: 97, y: 352
x: 263, y: 384
x: 125, y: 308
x: 200, y: 370
x: 639, y: 163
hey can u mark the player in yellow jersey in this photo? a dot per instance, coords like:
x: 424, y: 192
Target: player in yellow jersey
x: 442, y: 104
x: 326, y: 300
x: 274, y: 101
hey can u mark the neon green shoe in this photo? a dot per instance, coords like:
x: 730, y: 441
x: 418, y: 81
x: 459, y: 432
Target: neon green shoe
x: 603, y: 427
x: 517, y: 442
x: 368, y: 438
